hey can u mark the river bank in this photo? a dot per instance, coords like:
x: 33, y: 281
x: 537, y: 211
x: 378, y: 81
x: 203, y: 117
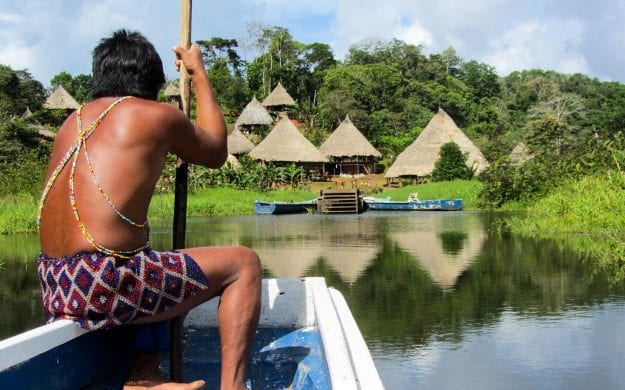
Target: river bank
x: 18, y: 212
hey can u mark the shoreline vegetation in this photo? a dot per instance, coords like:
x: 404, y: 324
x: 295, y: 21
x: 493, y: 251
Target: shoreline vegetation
x: 585, y: 214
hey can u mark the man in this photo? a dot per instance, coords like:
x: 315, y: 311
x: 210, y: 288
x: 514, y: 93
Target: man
x: 96, y: 266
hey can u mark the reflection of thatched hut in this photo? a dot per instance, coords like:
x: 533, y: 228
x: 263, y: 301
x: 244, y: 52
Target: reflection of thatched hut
x: 285, y: 145
x: 350, y: 151
x: 238, y: 144
x: 278, y: 100
x: 419, y: 158
x: 60, y: 99
x: 430, y: 249
x: 254, y: 114
x: 520, y: 154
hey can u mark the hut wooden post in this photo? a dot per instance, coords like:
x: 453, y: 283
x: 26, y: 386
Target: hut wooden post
x: 180, y: 196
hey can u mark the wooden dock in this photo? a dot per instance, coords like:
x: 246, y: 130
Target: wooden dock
x: 340, y: 202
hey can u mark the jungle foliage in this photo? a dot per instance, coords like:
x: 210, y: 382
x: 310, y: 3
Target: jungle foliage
x: 571, y: 124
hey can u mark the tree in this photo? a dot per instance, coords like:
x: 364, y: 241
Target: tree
x: 18, y: 91
x: 451, y: 164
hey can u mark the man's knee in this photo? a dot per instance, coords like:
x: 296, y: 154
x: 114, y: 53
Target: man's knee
x: 249, y: 261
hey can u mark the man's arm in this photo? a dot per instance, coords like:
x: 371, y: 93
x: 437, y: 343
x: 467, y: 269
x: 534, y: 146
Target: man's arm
x: 206, y: 142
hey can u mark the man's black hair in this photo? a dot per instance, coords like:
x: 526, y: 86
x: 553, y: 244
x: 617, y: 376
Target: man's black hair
x: 126, y: 64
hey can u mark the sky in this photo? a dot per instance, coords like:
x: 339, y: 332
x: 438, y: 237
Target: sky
x: 47, y: 37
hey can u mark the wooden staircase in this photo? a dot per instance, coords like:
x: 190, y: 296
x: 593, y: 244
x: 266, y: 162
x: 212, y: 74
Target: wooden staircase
x: 340, y: 202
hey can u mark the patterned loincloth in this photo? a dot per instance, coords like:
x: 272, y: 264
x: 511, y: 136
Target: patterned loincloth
x: 99, y: 291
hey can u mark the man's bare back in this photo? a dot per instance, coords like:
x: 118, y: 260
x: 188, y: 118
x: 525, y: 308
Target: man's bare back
x: 104, y: 215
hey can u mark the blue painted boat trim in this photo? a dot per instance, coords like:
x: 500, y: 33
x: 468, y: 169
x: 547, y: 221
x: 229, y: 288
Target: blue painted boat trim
x: 94, y: 360
x: 434, y: 205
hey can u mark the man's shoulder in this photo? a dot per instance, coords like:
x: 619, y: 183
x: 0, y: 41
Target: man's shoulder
x: 163, y: 113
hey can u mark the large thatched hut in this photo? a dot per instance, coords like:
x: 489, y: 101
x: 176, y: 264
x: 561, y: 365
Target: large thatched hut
x: 254, y: 114
x: 418, y: 159
x: 278, y: 100
x: 285, y: 145
x: 238, y: 144
x: 349, y: 151
x: 60, y: 99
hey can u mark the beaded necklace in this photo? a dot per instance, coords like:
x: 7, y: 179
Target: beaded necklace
x: 74, y: 151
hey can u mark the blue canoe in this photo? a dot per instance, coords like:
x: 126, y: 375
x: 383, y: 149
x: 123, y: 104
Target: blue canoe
x: 414, y: 204
x: 278, y: 207
x: 307, y: 339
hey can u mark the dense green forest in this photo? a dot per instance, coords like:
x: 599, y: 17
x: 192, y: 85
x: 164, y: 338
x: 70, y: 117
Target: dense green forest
x: 571, y: 124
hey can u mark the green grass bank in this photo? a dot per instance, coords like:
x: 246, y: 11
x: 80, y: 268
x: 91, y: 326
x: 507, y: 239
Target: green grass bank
x: 587, y: 215
x: 18, y: 212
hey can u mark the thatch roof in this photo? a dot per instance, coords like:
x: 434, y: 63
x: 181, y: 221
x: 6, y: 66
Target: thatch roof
x: 278, y: 97
x: 520, y: 154
x: 171, y: 90
x: 61, y: 99
x: 238, y: 143
x: 232, y: 160
x: 254, y: 114
x: 286, y: 143
x: 27, y: 113
x: 348, y: 141
x: 419, y: 158
x: 42, y: 131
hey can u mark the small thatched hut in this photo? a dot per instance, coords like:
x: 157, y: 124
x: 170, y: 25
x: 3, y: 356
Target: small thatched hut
x: 285, y: 145
x: 278, y: 100
x: 520, y: 154
x: 350, y: 151
x: 60, y: 99
x: 419, y: 158
x: 171, y: 90
x: 254, y: 114
x: 238, y: 144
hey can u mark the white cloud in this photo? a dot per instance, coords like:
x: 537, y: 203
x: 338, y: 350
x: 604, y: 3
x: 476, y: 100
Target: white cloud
x: 551, y: 45
x: 414, y: 34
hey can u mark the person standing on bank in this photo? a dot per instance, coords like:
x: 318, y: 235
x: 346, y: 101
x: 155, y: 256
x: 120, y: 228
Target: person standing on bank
x: 96, y: 266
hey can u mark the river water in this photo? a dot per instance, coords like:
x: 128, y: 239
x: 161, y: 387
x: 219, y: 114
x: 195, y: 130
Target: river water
x: 443, y: 300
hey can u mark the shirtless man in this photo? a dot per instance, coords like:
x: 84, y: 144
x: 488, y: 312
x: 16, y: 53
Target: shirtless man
x: 97, y: 267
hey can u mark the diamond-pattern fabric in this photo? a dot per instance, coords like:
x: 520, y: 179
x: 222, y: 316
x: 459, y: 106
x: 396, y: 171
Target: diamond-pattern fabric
x: 99, y: 291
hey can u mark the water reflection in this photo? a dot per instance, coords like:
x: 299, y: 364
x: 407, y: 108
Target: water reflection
x: 444, y: 251
x: 441, y: 299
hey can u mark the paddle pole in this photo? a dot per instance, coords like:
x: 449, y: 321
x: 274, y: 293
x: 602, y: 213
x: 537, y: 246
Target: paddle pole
x: 180, y: 194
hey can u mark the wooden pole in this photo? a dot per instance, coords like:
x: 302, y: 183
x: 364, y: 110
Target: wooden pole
x: 180, y: 198
x: 180, y: 195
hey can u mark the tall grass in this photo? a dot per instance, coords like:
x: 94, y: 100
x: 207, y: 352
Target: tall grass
x: 592, y: 208
x: 591, y: 204
x: 18, y: 213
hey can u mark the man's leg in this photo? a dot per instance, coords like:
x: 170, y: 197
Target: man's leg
x: 235, y: 274
x: 239, y: 270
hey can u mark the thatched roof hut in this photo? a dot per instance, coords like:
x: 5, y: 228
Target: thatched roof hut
x: 520, y: 154
x: 238, y: 143
x: 254, y: 114
x: 27, y: 113
x: 348, y: 141
x: 285, y: 143
x: 171, y: 90
x: 279, y: 97
x: 419, y: 158
x: 61, y: 99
